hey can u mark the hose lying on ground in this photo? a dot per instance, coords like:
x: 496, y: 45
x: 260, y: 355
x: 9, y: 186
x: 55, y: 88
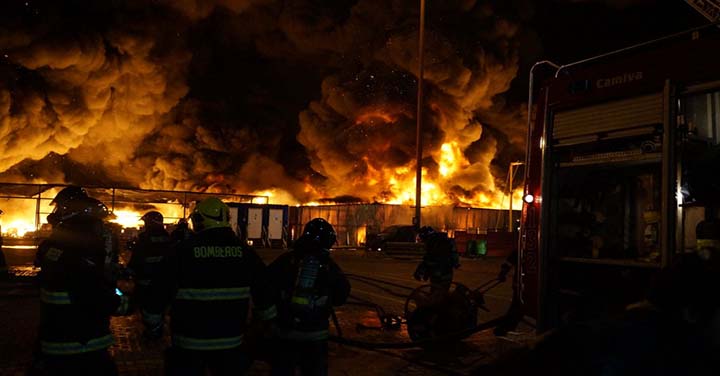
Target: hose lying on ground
x: 408, y: 345
x: 387, y: 321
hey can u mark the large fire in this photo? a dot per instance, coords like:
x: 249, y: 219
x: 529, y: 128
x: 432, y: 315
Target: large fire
x: 128, y: 217
x: 18, y: 228
x: 119, y: 104
x: 401, y: 184
x: 18, y: 219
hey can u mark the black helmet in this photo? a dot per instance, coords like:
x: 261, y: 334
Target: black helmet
x: 68, y: 193
x: 152, y: 218
x: 78, y: 207
x: 425, y: 232
x: 320, y: 231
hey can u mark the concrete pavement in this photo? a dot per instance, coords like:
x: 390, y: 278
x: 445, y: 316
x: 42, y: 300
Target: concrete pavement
x: 19, y: 314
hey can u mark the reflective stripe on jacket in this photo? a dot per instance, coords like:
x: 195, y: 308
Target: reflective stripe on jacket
x: 77, y: 300
x: 208, y: 282
x: 231, y: 293
x: 205, y: 344
x: 332, y: 289
x: 70, y: 348
x: 54, y: 297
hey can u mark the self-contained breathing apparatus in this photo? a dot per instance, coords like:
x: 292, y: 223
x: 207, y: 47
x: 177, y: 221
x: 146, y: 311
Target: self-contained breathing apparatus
x: 308, y: 300
x: 310, y: 294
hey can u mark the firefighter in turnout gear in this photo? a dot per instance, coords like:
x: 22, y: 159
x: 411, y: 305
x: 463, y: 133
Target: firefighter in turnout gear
x: 77, y: 300
x: 111, y: 242
x: 439, y: 261
x: 310, y: 284
x: 181, y: 231
x: 208, y: 281
x: 61, y: 198
x: 152, y: 246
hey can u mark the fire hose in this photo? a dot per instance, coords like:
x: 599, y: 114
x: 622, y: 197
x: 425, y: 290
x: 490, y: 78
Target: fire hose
x: 477, y: 296
x: 387, y: 321
x: 421, y: 343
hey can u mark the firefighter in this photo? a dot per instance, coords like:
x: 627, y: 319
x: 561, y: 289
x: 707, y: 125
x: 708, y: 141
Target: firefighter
x: 152, y: 246
x: 77, y: 301
x: 310, y: 285
x: 181, y: 231
x: 65, y: 195
x: 208, y: 281
x: 111, y: 243
x: 439, y: 261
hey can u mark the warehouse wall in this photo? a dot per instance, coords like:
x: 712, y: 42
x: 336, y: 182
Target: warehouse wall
x: 354, y: 221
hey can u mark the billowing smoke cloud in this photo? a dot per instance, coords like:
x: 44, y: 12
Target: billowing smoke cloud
x: 89, y: 91
x: 365, y: 120
x: 218, y: 95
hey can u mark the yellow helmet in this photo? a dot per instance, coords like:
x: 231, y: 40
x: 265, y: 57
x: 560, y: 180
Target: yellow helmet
x: 210, y: 213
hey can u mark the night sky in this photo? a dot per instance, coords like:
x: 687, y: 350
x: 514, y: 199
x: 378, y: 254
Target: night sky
x: 240, y: 96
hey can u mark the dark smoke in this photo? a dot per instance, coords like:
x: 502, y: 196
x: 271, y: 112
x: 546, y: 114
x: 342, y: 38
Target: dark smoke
x: 314, y: 98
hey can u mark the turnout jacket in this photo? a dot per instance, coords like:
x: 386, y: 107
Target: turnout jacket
x: 77, y: 301
x: 331, y: 289
x: 208, y: 281
x: 180, y: 233
x: 152, y: 246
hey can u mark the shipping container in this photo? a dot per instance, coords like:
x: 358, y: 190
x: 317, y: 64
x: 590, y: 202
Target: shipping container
x: 262, y: 225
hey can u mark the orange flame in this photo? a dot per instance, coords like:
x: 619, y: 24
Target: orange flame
x: 378, y: 115
x: 399, y: 183
x: 396, y: 185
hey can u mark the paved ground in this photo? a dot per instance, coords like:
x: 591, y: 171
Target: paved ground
x: 19, y: 313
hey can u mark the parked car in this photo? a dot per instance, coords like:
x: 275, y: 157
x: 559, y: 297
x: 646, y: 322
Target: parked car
x: 394, y: 233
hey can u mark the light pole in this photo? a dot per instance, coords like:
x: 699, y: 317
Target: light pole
x: 418, y: 130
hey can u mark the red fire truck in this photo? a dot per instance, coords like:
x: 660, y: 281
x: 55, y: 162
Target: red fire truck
x: 613, y: 148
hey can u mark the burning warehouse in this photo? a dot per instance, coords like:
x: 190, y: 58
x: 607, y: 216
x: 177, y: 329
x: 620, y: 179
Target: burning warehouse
x: 122, y: 101
x: 28, y: 205
x: 252, y: 217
